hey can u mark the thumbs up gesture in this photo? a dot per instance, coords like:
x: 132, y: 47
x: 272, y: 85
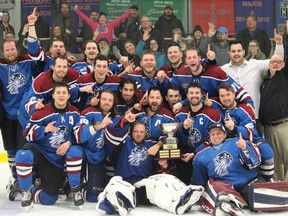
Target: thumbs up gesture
x: 241, y: 143
x: 188, y: 122
x: 229, y: 123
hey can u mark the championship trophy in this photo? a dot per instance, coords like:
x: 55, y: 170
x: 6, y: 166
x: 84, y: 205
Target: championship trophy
x: 170, y: 147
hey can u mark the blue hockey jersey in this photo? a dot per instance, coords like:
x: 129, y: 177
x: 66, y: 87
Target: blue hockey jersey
x: 65, y: 120
x: 132, y: 161
x: 226, y: 162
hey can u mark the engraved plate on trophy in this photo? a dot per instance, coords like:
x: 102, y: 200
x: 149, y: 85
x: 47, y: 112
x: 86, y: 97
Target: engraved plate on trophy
x: 170, y: 147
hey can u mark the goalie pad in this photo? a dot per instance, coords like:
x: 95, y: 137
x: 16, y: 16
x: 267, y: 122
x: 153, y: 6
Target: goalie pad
x: 213, y: 188
x: 117, y: 197
x: 227, y: 204
x: 169, y: 193
x: 268, y: 196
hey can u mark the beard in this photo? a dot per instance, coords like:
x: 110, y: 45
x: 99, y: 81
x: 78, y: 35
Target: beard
x: 105, y: 51
x: 12, y: 59
x: 65, y: 14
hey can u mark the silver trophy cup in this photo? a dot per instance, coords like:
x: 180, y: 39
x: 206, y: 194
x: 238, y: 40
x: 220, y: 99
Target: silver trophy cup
x: 170, y: 147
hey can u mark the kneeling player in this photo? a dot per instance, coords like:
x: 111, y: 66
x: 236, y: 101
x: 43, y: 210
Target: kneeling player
x: 50, y: 145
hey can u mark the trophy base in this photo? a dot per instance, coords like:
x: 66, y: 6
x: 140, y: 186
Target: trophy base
x: 169, y: 154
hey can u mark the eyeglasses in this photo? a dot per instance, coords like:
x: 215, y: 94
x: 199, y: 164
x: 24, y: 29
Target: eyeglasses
x: 252, y: 45
x: 276, y: 62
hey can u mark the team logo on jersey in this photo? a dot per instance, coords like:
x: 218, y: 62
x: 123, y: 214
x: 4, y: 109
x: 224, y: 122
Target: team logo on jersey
x: 222, y: 161
x: 194, y: 136
x: 100, y: 141
x: 185, y: 85
x: 97, y: 90
x: 59, y: 137
x: 15, y: 82
x: 137, y: 155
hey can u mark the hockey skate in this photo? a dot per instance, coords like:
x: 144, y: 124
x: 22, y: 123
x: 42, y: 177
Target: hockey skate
x: 26, y: 201
x: 12, y: 189
x: 225, y: 205
x: 77, y: 197
x: 65, y: 190
x: 119, y: 203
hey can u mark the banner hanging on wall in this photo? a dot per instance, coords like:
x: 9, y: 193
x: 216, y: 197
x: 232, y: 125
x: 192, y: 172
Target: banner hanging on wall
x: 263, y: 11
x: 281, y: 10
x: 218, y: 12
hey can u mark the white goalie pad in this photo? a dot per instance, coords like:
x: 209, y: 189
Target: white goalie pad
x: 168, y: 192
x: 119, y: 194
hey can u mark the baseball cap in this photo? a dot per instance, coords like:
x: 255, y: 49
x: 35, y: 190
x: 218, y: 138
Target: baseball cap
x: 168, y: 6
x: 133, y: 6
x: 103, y: 39
x: 223, y: 29
x: 216, y: 125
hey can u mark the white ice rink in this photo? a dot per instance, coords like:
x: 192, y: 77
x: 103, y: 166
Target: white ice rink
x: 9, y: 208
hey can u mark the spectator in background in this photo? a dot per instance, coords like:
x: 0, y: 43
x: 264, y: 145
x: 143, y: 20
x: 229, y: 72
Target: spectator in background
x: 42, y: 31
x: 196, y: 38
x: 132, y: 55
x: 147, y: 33
x: 167, y: 23
x: 6, y: 23
x: 56, y: 33
x: 64, y: 20
x: 154, y: 46
x: 254, y: 51
x: 86, y: 32
x: 9, y: 36
x: 102, y: 28
x: 220, y: 46
x: 129, y: 26
x: 176, y: 35
x: 252, y: 32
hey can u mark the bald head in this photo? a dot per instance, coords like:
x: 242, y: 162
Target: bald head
x: 276, y: 64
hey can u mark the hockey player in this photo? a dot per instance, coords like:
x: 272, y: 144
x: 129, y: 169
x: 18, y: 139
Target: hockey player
x: 154, y: 114
x: 127, y: 95
x: 172, y: 97
x: 196, y: 119
x: 147, y: 76
x: 51, y: 144
x: 227, y: 166
x: 100, y: 81
x: 90, y: 51
x: 240, y: 118
x: 134, y: 165
x: 40, y: 93
x: 16, y: 78
x: 91, y: 135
